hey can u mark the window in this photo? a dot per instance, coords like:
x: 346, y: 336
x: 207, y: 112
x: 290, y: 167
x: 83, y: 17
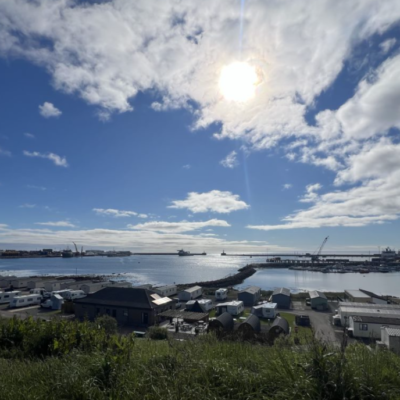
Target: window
x: 22, y: 301
x: 30, y: 299
x: 363, y: 327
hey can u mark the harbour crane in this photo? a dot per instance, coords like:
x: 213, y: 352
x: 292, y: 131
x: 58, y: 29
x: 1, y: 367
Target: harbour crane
x: 76, y: 249
x: 317, y: 254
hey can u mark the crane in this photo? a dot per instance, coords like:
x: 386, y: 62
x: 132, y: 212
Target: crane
x: 76, y: 249
x: 316, y: 255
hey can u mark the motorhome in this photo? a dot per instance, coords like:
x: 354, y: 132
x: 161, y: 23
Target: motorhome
x: 25, y: 301
x: 6, y: 297
x: 72, y: 294
x: 221, y: 294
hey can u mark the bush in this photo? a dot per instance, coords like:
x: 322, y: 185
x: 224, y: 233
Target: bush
x: 109, y: 324
x: 157, y: 333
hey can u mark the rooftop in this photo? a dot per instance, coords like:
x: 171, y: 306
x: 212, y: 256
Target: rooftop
x: 230, y: 303
x: 357, y: 293
x: 372, y: 311
x: 376, y: 320
x: 266, y: 305
x: 316, y: 293
x: 251, y: 289
x: 345, y: 304
x: 192, y: 289
x: 284, y: 291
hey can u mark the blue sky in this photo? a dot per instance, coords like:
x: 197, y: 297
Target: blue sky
x: 115, y: 130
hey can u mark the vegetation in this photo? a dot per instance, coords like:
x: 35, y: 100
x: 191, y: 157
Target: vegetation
x: 68, y: 360
x: 109, y: 324
x: 157, y: 333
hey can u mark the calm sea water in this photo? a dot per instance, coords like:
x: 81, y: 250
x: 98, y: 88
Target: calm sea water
x: 170, y: 269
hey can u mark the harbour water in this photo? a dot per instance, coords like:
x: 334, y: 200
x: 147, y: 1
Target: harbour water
x: 170, y: 269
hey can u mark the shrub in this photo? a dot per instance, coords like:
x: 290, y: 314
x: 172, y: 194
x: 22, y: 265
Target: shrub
x: 109, y: 324
x: 157, y: 333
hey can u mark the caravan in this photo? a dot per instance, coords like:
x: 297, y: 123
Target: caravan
x: 25, y: 301
x: 6, y: 297
x: 71, y: 294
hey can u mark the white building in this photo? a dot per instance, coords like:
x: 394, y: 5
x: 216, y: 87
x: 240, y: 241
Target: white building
x: 221, y: 294
x: 190, y: 294
x: 50, y: 286
x: 370, y: 327
x: 348, y: 309
x: 234, y: 308
x: 390, y: 337
x: 266, y: 310
x: 166, y: 291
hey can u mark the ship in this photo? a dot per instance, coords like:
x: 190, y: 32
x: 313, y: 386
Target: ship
x: 223, y: 253
x: 203, y: 253
x: 67, y: 253
x: 183, y: 253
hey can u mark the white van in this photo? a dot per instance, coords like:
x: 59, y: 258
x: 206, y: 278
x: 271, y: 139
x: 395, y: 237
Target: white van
x: 25, y: 301
x: 6, y: 297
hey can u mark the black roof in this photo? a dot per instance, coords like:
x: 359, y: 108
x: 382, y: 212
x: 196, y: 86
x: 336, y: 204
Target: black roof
x: 371, y: 294
x: 281, y: 323
x: 253, y: 321
x: 226, y: 320
x: 122, y: 297
x: 284, y: 291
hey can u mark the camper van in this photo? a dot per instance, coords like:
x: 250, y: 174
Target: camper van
x: 221, y: 294
x: 25, y: 301
x: 6, y: 297
x: 73, y: 294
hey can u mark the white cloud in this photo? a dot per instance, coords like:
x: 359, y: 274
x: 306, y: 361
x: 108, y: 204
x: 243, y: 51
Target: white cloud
x: 57, y: 160
x: 36, y: 187
x: 27, y: 205
x: 215, y: 201
x: 29, y: 135
x: 287, y: 186
x: 387, y: 45
x: 310, y: 195
x: 5, y: 152
x: 48, y: 110
x: 230, y: 161
x: 187, y: 166
x: 178, y: 227
x: 118, y: 213
x: 63, y: 224
x: 3, y: 226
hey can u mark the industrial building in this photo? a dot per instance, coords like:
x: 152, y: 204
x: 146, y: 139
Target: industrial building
x: 369, y: 327
x: 281, y: 297
x: 348, y: 309
x: 166, y: 291
x: 357, y: 296
x: 250, y: 296
x: 390, y: 337
x: 318, y: 300
x: 190, y: 294
x: 266, y: 310
x: 129, y: 306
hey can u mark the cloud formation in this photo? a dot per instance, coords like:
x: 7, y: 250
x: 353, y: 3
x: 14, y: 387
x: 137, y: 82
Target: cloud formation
x: 27, y: 205
x: 48, y: 110
x: 178, y: 227
x: 57, y: 160
x: 215, y: 201
x: 5, y: 152
x: 230, y: 161
x: 63, y: 224
x: 118, y: 213
x: 29, y: 135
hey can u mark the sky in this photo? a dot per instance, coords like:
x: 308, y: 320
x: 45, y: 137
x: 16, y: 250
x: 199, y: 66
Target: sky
x: 244, y: 126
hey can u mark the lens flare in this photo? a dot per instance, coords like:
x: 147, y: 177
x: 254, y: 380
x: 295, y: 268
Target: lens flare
x: 238, y: 81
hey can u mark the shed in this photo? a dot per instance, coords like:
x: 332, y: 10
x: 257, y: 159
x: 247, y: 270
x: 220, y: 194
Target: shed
x: 250, y: 326
x: 390, y: 337
x: 318, y: 300
x: 222, y: 323
x: 281, y: 296
x: 168, y: 290
x: 357, y: 296
x: 56, y: 302
x: 370, y: 326
x: 279, y: 327
x: 266, y: 310
x: 190, y: 293
x: 250, y: 296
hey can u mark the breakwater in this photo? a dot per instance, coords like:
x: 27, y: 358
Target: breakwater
x: 232, y: 280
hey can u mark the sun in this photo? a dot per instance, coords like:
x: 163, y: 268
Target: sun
x: 238, y: 81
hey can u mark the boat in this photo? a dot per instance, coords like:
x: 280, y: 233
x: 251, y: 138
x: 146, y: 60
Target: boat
x: 203, y: 253
x: 67, y: 253
x: 183, y: 253
x: 223, y: 253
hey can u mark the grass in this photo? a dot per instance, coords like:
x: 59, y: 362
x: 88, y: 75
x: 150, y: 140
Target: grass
x: 304, y: 333
x: 197, y: 369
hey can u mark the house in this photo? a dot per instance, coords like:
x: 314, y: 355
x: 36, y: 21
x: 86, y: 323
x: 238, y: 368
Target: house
x: 266, y: 310
x: 370, y: 326
x: 221, y: 294
x: 390, y: 337
x: 129, y: 306
x: 348, y: 309
x: 375, y: 299
x: 166, y: 291
x: 224, y: 322
x: 250, y: 296
x: 190, y: 294
x: 281, y: 296
x: 357, y: 296
x: 202, y: 305
x: 250, y: 326
x: 318, y: 300
x: 232, y: 307
x: 279, y: 327
x: 52, y: 285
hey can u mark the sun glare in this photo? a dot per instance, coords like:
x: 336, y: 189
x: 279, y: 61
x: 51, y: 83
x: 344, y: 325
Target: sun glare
x: 238, y: 81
